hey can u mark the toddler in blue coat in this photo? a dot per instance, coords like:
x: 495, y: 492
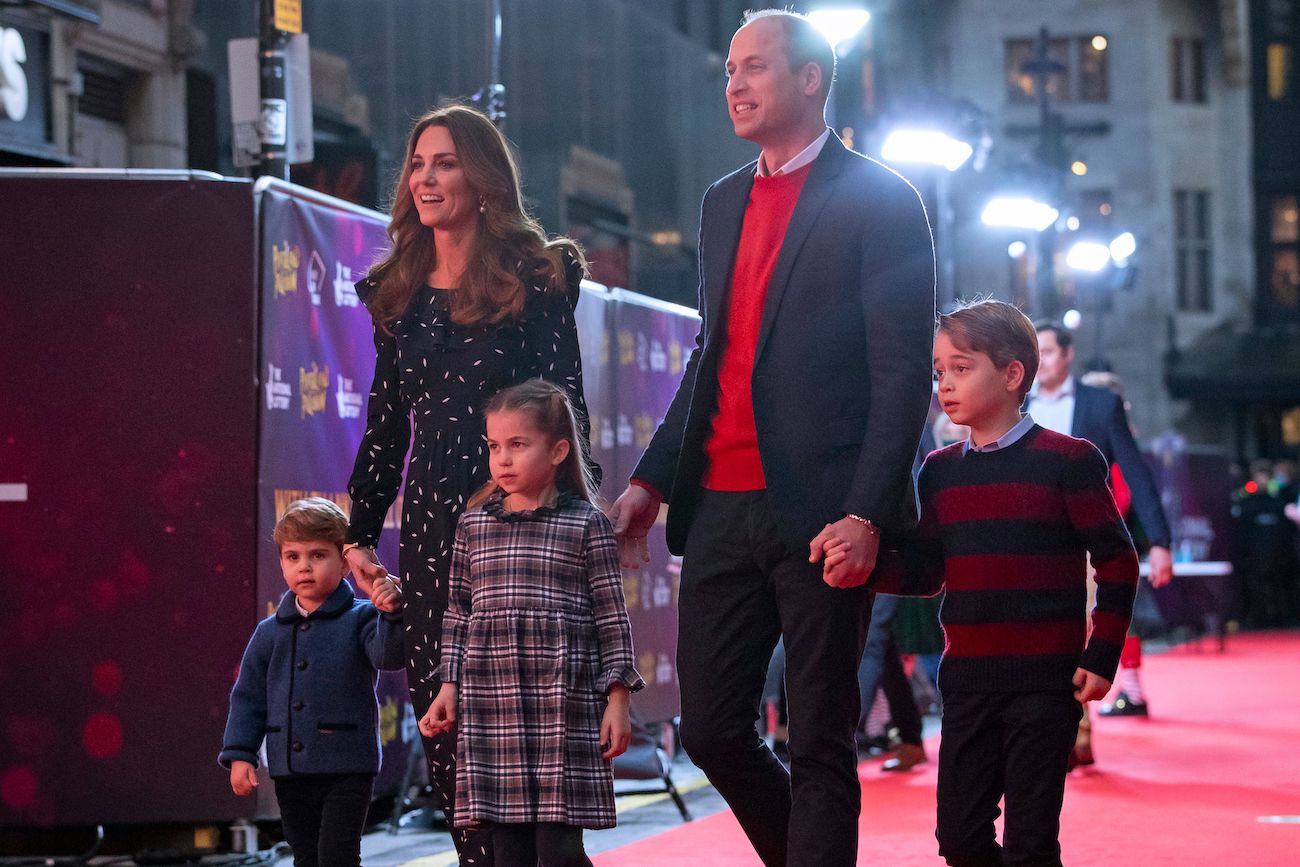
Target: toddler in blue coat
x: 307, y: 685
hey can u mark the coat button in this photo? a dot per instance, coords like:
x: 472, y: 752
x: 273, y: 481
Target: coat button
x: 297, y: 746
x: 302, y: 665
x: 298, y: 705
x: 304, y: 626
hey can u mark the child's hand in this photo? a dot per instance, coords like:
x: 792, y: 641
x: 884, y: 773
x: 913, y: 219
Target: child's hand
x: 1091, y: 687
x: 243, y: 778
x: 441, y: 715
x: 616, y: 727
x: 386, y: 595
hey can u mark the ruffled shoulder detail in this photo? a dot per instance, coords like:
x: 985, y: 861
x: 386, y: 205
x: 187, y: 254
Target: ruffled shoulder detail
x: 495, y: 507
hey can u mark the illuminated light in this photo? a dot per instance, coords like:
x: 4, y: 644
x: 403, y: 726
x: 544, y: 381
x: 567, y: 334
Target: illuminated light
x: 839, y: 25
x: 1124, y: 246
x: 1018, y: 212
x: 1252, y: 487
x: 1079, y: 167
x: 1104, y: 207
x: 106, y: 679
x: 1099, y: 43
x: 1071, y: 319
x: 926, y: 146
x: 667, y: 237
x: 18, y: 788
x: 1016, y: 249
x: 1072, y: 223
x: 1088, y: 256
x: 101, y: 737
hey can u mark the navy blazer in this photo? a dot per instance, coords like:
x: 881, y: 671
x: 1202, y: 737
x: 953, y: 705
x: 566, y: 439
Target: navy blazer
x: 842, y: 369
x: 308, y: 685
x: 1099, y: 418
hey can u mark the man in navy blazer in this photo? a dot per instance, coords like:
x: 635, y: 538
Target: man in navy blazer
x: 796, y: 421
x: 1060, y: 402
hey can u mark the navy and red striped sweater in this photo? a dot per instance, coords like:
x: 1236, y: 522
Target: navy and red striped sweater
x: 1007, y: 535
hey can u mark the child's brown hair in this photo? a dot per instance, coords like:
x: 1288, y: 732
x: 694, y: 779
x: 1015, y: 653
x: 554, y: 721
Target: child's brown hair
x: 554, y: 417
x: 311, y: 519
x: 997, y: 329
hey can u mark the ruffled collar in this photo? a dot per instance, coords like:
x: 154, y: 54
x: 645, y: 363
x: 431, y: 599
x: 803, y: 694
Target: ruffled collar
x: 495, y: 506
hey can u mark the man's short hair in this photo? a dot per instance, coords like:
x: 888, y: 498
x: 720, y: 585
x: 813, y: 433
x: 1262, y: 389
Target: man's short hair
x: 997, y: 329
x: 804, y: 43
x: 1064, y: 337
x: 310, y: 520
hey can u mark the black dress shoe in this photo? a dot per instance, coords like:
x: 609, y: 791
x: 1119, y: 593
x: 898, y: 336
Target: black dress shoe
x: 1124, y: 706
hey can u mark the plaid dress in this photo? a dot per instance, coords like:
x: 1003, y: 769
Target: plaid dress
x: 535, y: 634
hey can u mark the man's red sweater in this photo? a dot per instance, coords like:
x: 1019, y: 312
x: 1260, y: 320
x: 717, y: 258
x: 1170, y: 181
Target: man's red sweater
x: 732, y: 446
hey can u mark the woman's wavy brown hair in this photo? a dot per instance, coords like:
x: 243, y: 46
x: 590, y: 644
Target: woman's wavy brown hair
x: 509, y: 247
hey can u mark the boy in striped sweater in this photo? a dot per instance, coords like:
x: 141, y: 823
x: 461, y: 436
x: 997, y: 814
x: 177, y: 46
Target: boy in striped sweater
x: 1008, y: 520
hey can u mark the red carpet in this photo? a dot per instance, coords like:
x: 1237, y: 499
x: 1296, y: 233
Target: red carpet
x: 1187, y: 787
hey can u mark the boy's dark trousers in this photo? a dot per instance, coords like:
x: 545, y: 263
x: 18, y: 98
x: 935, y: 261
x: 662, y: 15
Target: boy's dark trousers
x: 323, y: 817
x: 741, y: 590
x: 996, y: 744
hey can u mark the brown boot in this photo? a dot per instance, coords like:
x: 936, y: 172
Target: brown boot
x: 1081, y: 755
x: 907, y: 757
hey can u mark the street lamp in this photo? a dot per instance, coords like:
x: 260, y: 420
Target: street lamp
x: 1018, y: 212
x: 1105, y: 267
x: 839, y: 24
x: 927, y: 147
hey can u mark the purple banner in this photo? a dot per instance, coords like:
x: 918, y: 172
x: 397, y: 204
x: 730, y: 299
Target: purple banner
x: 317, y: 361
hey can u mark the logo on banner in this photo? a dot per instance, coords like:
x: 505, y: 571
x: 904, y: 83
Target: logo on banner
x: 674, y: 358
x: 344, y: 293
x: 315, y: 277
x: 349, y: 401
x: 278, y: 392
x: 314, y: 385
x: 625, y: 434
x: 658, y: 357
x: 645, y: 429
x: 285, y: 263
x: 645, y: 664
x: 606, y: 433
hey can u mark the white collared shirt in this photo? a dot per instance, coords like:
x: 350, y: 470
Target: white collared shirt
x: 1018, y: 430
x: 801, y: 159
x: 1056, y: 412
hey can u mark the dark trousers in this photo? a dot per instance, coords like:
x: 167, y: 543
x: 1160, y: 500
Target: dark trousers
x: 898, y: 693
x: 1004, y: 744
x: 323, y: 816
x: 741, y: 590
x: 529, y: 844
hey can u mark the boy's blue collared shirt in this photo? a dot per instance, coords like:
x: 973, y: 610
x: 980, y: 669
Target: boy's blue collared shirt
x: 1012, y: 436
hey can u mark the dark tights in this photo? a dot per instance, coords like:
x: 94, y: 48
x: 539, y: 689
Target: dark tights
x: 528, y: 844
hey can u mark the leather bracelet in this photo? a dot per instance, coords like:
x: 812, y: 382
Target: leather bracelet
x: 866, y: 522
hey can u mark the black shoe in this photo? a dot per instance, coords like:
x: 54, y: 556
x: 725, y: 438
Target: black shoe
x: 1124, y: 706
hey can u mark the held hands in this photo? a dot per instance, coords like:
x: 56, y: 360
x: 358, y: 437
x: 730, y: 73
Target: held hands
x: 847, y: 551
x: 1161, y: 565
x: 243, y: 778
x: 633, y: 514
x: 441, y: 715
x: 365, y: 568
x: 615, y: 726
x: 386, y: 594
x: 1091, y: 687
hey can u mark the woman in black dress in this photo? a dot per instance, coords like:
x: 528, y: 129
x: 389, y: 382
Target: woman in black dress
x: 471, y: 298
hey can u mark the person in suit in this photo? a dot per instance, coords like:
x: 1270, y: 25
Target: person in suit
x: 1059, y: 402
x: 798, y: 415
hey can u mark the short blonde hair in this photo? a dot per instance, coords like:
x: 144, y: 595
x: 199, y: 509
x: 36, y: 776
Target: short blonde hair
x: 312, y: 519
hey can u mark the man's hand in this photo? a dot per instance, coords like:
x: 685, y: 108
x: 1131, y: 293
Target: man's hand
x: 1160, y: 566
x: 365, y: 567
x: 243, y: 778
x: 1091, y: 687
x: 633, y: 514
x: 847, y: 551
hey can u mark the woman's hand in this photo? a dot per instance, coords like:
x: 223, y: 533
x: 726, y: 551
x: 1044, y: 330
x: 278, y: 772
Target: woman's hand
x: 441, y: 715
x: 365, y: 567
x: 616, y: 727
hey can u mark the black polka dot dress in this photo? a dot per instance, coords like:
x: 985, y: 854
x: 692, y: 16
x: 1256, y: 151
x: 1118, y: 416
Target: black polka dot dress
x: 432, y: 378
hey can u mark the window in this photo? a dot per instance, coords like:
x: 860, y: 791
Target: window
x: 1284, y: 235
x: 1192, y: 247
x: 1279, y: 70
x: 1082, y: 73
x: 1187, y: 70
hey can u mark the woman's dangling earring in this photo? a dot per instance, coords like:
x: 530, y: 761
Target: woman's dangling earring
x: 482, y: 204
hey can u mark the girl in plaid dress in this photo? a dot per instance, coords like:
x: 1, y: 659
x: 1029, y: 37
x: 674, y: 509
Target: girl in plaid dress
x: 536, y: 664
